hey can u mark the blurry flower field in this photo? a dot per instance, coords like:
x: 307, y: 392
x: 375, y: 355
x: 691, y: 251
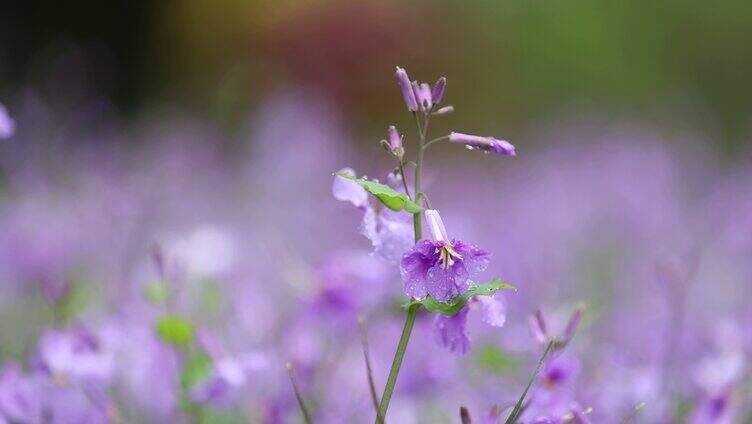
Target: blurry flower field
x: 172, y: 280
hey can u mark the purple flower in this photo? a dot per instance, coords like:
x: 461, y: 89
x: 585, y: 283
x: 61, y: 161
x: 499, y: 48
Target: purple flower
x: 7, y: 124
x: 488, y: 144
x: 74, y: 357
x: 494, y: 309
x: 407, y: 89
x: 440, y: 267
x: 19, y: 397
x: 717, y: 409
x: 390, y: 232
x: 451, y: 330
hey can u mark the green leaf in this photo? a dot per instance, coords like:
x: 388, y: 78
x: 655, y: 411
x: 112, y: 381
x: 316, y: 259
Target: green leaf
x: 453, y: 305
x: 176, y: 330
x: 391, y: 198
x: 196, y: 370
x: 490, y: 358
x: 157, y: 293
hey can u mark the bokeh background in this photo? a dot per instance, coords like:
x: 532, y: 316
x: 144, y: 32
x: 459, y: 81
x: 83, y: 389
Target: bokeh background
x: 175, y: 158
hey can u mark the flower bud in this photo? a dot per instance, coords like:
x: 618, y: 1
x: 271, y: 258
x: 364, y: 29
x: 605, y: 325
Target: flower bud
x: 436, y: 225
x: 444, y: 110
x: 538, y: 327
x: 573, y: 323
x: 394, y: 142
x: 424, y: 98
x: 438, y: 90
x: 488, y: 144
x: 407, y: 90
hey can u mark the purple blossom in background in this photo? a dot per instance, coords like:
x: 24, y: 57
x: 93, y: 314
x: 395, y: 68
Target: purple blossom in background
x: 390, y: 232
x: 451, y: 331
x: 488, y: 144
x: 20, y: 399
x: 440, y: 267
x: 715, y: 409
x: 74, y: 357
x: 7, y: 124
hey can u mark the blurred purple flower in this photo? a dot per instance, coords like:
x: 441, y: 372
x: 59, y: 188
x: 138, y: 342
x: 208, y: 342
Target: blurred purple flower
x: 19, y: 397
x: 715, y: 409
x: 73, y: 357
x: 390, y: 232
x: 451, y: 330
x: 440, y: 267
x: 7, y: 124
x: 488, y: 144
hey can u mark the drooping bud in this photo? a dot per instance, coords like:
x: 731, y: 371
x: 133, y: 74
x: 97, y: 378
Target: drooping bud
x: 436, y: 225
x: 444, y: 110
x: 438, y: 90
x: 488, y: 144
x: 407, y: 90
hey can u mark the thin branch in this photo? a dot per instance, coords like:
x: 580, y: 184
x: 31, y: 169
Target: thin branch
x: 518, y: 406
x: 303, y: 408
x: 369, y: 371
x: 633, y: 413
x: 404, y: 180
x: 435, y: 140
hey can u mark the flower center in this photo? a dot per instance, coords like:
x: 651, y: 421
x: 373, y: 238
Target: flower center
x: 447, y: 255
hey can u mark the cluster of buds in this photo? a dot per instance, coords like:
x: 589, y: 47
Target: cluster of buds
x: 420, y: 96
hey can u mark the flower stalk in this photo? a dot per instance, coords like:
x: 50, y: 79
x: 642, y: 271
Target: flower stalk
x: 412, y: 311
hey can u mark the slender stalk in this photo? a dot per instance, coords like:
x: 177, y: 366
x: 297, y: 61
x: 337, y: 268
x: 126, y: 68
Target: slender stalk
x: 518, y: 406
x: 633, y: 413
x: 417, y: 218
x: 435, y: 140
x: 366, y: 357
x: 412, y: 311
x: 404, y: 180
x: 301, y: 403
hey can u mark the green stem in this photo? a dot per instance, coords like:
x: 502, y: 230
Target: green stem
x: 412, y: 311
x: 404, y: 180
x: 518, y: 406
x: 435, y: 140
